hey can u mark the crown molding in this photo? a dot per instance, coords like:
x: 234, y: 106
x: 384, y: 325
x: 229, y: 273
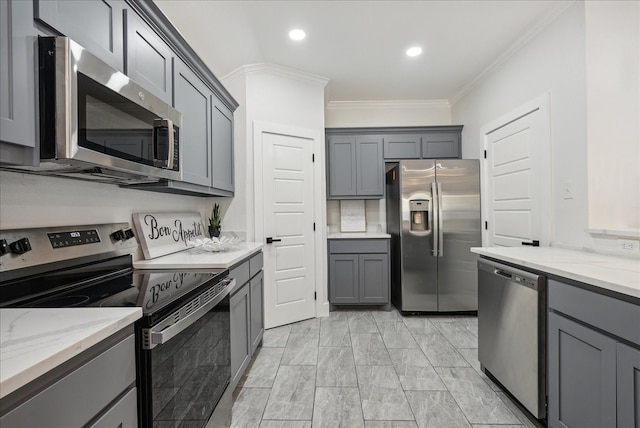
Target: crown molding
x: 543, y: 23
x: 277, y: 70
x: 386, y: 104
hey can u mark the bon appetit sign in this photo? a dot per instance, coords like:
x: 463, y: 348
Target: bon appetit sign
x: 165, y: 233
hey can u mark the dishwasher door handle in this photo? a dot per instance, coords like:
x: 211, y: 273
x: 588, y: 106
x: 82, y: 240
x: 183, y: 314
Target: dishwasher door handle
x: 503, y: 273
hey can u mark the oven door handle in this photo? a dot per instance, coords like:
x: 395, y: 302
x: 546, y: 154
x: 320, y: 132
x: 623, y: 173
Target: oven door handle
x: 159, y: 337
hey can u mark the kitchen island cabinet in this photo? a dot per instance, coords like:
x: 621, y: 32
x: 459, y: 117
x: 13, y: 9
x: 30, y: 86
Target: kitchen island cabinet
x: 52, y: 361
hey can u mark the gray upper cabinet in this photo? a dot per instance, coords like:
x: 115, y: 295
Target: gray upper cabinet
x: 222, y: 145
x: 441, y: 145
x: 355, y: 167
x: 402, y: 146
x: 369, y: 167
x: 341, y: 163
x: 192, y: 99
x: 17, y: 84
x: 148, y: 57
x: 96, y: 25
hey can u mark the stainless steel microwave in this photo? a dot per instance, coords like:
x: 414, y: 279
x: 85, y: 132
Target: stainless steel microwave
x: 98, y: 124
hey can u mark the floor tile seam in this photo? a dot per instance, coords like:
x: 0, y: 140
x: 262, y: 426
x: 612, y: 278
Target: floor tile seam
x: 449, y: 342
x: 485, y: 423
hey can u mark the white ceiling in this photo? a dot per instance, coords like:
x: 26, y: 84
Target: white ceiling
x: 360, y: 45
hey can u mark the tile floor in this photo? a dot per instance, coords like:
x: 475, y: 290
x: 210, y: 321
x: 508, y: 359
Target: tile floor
x: 372, y: 369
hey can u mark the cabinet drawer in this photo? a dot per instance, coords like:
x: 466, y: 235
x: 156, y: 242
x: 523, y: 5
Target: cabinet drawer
x: 359, y: 246
x: 607, y: 313
x: 123, y: 414
x: 255, y: 264
x: 240, y: 273
x: 78, y: 397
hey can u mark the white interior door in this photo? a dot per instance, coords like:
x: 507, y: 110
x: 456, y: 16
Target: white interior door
x: 517, y: 181
x: 288, y: 202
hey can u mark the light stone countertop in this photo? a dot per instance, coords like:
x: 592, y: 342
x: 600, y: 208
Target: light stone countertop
x: 358, y: 235
x: 34, y: 341
x: 198, y: 259
x: 612, y: 273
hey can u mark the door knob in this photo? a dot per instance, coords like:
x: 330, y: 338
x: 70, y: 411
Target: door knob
x: 271, y: 240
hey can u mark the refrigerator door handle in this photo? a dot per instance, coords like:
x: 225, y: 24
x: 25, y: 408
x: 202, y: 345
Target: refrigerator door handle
x: 434, y: 219
x: 440, y: 221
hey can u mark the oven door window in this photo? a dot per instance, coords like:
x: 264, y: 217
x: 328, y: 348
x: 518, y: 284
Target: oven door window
x: 111, y: 124
x: 190, y: 372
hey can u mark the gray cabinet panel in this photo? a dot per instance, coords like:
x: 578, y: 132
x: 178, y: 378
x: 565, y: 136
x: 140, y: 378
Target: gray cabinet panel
x: 148, y: 57
x: 342, y: 166
x: 123, y: 414
x: 402, y: 147
x: 358, y: 246
x: 373, y: 278
x: 369, y: 167
x: 95, y: 25
x: 17, y: 83
x: 255, y: 264
x: 628, y: 368
x: 582, y: 375
x: 441, y: 145
x: 257, y: 315
x: 343, y: 278
x: 192, y: 99
x: 78, y: 397
x: 222, y: 145
x: 240, y: 308
x: 240, y: 273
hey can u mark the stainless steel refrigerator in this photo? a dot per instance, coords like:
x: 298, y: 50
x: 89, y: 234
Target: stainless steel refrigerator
x: 433, y: 217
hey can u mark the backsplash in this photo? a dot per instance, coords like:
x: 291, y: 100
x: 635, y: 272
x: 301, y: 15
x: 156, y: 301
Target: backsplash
x: 375, y: 212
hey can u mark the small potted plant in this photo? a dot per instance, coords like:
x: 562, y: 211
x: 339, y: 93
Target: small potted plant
x: 214, y: 222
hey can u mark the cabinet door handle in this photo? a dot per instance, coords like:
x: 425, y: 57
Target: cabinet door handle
x: 271, y: 240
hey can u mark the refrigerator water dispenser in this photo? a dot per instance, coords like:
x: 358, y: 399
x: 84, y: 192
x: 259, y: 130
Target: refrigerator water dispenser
x: 419, y: 209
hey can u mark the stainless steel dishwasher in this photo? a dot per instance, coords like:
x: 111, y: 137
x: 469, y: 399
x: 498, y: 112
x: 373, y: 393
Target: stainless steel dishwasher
x: 512, y: 331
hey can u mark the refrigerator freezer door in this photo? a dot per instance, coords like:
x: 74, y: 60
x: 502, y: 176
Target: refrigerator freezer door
x: 419, y: 263
x: 459, y: 185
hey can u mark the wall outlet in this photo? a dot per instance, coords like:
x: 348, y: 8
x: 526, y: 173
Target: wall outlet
x: 628, y: 245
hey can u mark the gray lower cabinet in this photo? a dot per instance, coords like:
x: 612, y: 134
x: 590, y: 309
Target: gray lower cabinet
x: 628, y: 385
x: 593, y: 359
x: 98, y: 392
x: 355, y: 167
x: 359, y: 272
x: 240, y: 307
x: 149, y: 58
x: 95, y: 25
x: 18, y: 84
x: 247, y: 313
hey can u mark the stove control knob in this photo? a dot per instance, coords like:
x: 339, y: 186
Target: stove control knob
x: 20, y: 246
x: 128, y: 234
x: 4, y: 247
x: 118, y: 235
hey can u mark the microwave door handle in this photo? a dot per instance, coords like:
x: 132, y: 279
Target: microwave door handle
x: 167, y: 159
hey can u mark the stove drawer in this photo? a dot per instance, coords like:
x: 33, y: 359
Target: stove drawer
x: 81, y: 395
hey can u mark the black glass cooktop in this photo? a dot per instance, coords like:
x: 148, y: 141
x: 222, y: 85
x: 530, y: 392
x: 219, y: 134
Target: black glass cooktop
x: 111, y: 283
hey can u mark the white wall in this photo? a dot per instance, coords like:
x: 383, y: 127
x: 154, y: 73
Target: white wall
x: 275, y: 94
x: 33, y: 201
x: 553, y: 61
x: 613, y: 114
x: 343, y: 114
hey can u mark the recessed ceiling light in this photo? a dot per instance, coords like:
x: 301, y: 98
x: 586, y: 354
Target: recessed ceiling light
x: 414, y: 51
x: 297, y: 34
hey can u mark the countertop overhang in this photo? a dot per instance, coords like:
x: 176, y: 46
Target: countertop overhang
x: 617, y: 274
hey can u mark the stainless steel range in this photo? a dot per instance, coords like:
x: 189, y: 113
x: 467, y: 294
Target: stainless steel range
x: 183, y: 338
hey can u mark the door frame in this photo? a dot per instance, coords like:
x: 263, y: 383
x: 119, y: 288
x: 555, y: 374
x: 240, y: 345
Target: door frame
x: 319, y: 201
x: 543, y: 105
